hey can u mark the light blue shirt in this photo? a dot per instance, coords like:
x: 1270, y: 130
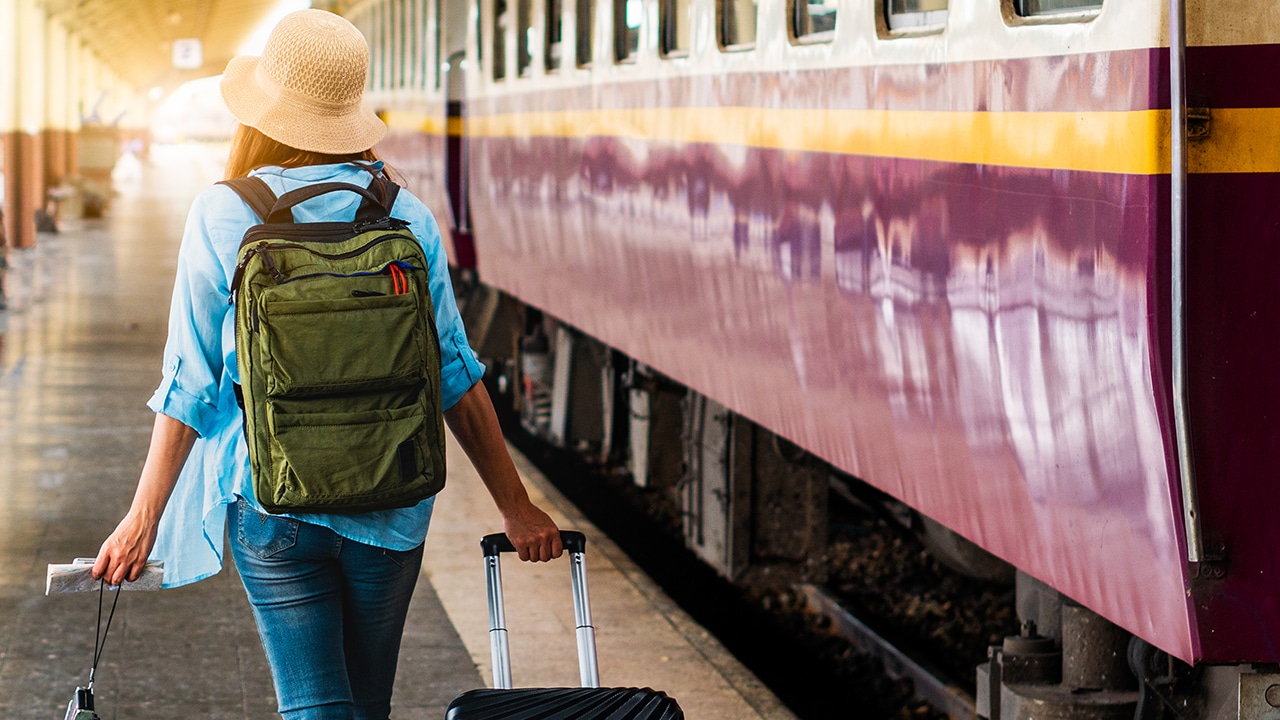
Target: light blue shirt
x: 200, y: 369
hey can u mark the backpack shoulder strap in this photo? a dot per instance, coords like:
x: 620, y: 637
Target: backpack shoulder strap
x: 386, y: 191
x: 381, y: 184
x: 378, y: 200
x: 254, y: 191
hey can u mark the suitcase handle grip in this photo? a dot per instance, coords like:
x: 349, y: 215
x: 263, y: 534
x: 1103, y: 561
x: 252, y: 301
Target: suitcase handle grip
x: 572, y: 540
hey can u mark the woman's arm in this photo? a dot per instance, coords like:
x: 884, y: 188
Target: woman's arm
x: 124, y: 554
x: 473, y: 422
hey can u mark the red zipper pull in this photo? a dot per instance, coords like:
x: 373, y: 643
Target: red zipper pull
x: 399, y: 284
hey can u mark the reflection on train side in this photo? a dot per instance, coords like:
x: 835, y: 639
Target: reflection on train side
x: 1000, y: 303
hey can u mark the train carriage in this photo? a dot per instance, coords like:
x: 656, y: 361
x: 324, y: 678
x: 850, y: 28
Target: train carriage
x: 962, y: 250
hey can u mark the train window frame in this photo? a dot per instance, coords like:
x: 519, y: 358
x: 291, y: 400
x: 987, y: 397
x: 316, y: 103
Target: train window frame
x: 622, y: 39
x: 669, y: 10
x: 553, y: 51
x: 722, y: 26
x: 809, y: 38
x: 1013, y: 16
x: 887, y: 29
x: 584, y: 33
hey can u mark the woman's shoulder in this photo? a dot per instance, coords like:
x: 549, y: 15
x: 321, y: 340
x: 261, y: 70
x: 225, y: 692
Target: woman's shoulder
x: 219, y: 200
x: 220, y: 217
x: 410, y: 208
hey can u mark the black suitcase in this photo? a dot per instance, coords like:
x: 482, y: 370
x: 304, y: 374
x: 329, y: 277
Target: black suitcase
x: 589, y: 702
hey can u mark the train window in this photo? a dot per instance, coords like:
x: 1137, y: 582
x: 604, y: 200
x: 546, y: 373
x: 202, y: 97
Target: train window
x: 626, y: 29
x: 414, y: 73
x: 1028, y: 8
x: 915, y: 14
x: 677, y: 27
x: 555, y: 36
x: 388, y: 45
x: 380, y: 42
x: 524, y: 31
x: 373, y: 48
x: 737, y: 23
x: 402, y: 45
x: 501, y: 14
x: 361, y: 21
x: 479, y: 35
x: 813, y: 20
x: 439, y: 48
x: 585, y: 23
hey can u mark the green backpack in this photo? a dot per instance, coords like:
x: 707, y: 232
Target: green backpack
x: 338, y: 353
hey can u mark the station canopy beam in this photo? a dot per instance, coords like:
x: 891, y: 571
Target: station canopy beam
x: 135, y: 38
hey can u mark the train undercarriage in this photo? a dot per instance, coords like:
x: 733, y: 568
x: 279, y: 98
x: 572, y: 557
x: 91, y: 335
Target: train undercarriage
x: 755, y: 508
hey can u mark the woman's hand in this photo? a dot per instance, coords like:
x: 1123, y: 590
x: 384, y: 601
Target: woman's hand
x: 124, y: 554
x: 533, y: 534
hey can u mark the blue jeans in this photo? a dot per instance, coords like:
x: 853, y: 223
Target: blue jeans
x: 330, y: 612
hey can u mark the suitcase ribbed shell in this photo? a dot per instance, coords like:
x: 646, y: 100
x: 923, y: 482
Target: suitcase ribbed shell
x: 565, y: 704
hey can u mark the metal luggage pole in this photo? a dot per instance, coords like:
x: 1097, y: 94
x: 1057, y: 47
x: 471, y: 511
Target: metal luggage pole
x: 588, y: 669
x: 499, y: 649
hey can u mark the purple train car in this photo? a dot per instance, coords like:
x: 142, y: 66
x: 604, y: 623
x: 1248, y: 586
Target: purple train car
x: 970, y: 252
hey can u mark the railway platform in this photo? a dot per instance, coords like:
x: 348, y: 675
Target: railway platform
x: 80, y: 348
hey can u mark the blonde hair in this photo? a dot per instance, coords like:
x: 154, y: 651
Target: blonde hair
x: 251, y: 149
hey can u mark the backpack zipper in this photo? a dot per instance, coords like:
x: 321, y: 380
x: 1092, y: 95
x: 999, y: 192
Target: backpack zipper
x: 401, y: 284
x: 262, y: 247
x: 401, y: 287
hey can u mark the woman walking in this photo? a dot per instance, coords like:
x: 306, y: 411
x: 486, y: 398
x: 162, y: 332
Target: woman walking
x: 329, y: 592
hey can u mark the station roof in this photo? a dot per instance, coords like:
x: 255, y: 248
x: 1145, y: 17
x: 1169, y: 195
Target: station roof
x: 136, y: 37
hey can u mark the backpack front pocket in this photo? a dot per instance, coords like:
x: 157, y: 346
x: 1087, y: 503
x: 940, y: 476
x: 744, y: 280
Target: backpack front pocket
x: 368, y: 341
x: 345, y: 457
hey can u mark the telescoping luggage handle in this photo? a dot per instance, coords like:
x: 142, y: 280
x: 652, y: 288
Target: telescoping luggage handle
x: 576, y: 543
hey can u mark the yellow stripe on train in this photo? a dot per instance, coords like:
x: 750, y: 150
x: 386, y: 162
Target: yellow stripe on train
x: 1131, y: 142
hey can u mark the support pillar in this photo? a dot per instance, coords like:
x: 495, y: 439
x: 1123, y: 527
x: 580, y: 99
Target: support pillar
x: 22, y: 188
x: 8, y: 122
x: 23, y: 26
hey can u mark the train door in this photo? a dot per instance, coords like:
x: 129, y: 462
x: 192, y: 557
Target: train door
x: 451, y: 42
x: 456, y: 161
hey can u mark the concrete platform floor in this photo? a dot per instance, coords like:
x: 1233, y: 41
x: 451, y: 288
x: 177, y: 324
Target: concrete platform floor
x: 80, y: 350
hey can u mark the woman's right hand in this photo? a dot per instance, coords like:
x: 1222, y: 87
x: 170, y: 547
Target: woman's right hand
x: 124, y: 554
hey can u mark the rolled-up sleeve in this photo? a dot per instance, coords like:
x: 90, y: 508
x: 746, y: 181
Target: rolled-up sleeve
x: 193, y: 354
x: 459, y: 368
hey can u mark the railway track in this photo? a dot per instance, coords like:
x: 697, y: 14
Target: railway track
x: 929, y: 683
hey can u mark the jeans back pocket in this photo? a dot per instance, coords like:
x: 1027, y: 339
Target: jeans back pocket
x: 265, y: 535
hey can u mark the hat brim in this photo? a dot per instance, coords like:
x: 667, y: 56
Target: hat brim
x: 350, y: 130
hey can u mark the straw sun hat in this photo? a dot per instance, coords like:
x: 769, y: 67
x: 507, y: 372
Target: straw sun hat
x: 305, y: 91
